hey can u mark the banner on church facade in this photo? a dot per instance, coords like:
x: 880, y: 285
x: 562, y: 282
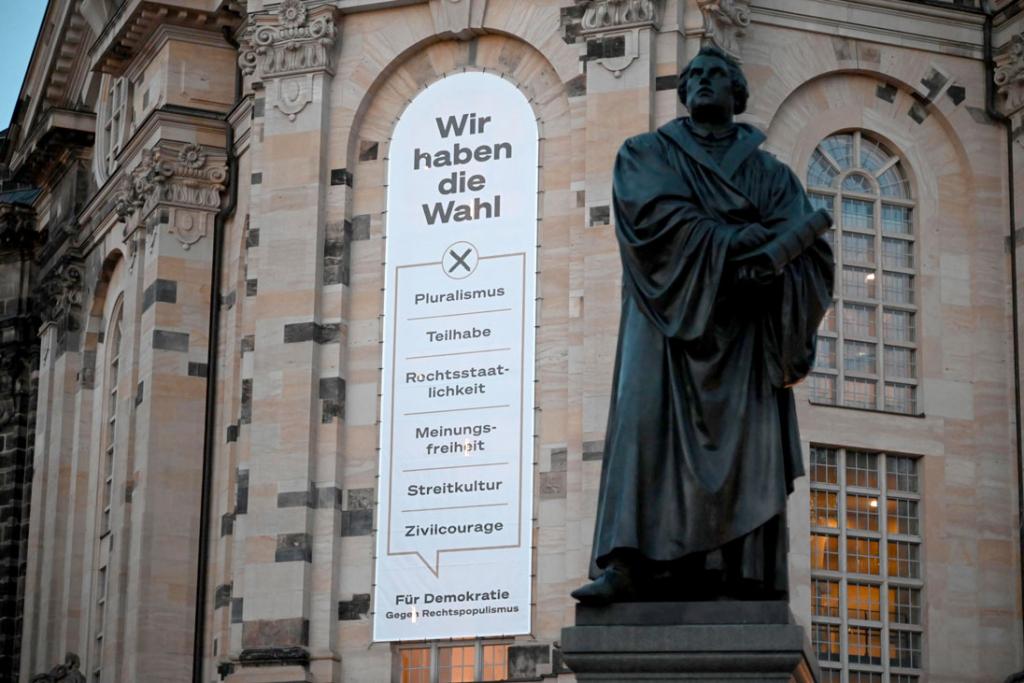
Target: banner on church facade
x: 455, y: 495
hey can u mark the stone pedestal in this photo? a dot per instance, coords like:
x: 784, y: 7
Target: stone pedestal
x: 731, y: 642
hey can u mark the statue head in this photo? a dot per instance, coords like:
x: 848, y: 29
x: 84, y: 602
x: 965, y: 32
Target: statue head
x: 713, y: 87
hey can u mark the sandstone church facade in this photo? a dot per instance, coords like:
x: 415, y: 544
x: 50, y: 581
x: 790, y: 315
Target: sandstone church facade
x: 193, y: 224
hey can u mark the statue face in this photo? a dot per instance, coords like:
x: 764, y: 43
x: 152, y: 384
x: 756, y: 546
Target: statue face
x: 709, y: 90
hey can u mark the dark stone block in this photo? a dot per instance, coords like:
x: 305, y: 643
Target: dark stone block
x: 886, y: 92
x: 577, y: 87
x: 165, y: 340
x: 140, y: 392
x: 245, y: 416
x: 600, y: 215
x: 978, y: 115
x: 252, y: 238
x: 252, y: 287
x: 275, y: 633
x: 222, y: 596
x: 524, y: 661
x: 957, y: 93
x: 559, y: 456
x: 356, y: 522
x: 299, y: 332
x: 274, y: 656
x: 328, y: 497
x: 232, y: 434
x: 227, y: 524
x: 606, y: 48
x: 228, y: 300
x: 593, y: 450
x: 294, y: 548
x: 360, y: 499
x: 670, y: 82
x: 242, y: 492
x: 259, y: 106
x: 361, y: 227
x: 368, y: 150
x: 354, y: 609
x: 296, y: 499
x: 236, y: 610
x: 197, y: 369
x: 248, y: 343
x: 552, y: 485
x: 330, y: 409
x: 257, y: 178
x: 934, y: 82
x: 328, y: 333
x: 341, y: 176
x: 332, y: 387
x: 918, y: 112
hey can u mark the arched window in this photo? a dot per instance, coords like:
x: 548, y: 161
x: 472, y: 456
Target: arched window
x: 867, y: 344
x: 112, y: 372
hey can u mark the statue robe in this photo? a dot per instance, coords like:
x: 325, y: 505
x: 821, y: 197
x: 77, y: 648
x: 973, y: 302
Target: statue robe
x: 702, y: 445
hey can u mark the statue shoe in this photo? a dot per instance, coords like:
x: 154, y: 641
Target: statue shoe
x: 615, y: 585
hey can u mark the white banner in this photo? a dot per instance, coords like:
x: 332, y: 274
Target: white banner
x: 455, y: 494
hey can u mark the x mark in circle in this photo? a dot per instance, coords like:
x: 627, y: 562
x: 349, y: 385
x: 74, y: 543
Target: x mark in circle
x: 460, y: 260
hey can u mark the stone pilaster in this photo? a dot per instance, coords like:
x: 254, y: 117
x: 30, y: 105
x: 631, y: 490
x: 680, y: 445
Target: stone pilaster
x: 288, y: 538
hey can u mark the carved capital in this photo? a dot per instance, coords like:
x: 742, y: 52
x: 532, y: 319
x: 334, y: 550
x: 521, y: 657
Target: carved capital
x: 725, y: 23
x: 604, y: 15
x: 1009, y: 75
x: 299, y: 40
x: 174, y: 179
x: 59, y: 293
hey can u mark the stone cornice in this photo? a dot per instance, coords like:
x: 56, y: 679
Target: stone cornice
x: 1009, y: 75
x: 299, y: 38
x: 725, y: 22
x: 608, y: 15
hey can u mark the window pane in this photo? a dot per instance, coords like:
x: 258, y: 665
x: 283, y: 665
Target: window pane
x: 860, y: 357
x: 863, y: 601
x: 825, y: 356
x: 828, y: 323
x: 860, y: 393
x: 825, y: 552
x: 824, y: 509
x: 904, y: 649
x: 893, y: 184
x: 495, y: 662
x: 860, y: 321
x: 905, y: 605
x: 825, y: 640
x: 840, y: 148
x: 824, y: 467
x: 865, y: 677
x: 900, y: 362
x: 831, y: 676
x: 865, y: 645
x: 416, y: 666
x: 896, y: 219
x: 821, y: 201
x: 855, y: 182
x: 456, y: 664
x: 820, y: 173
x: 904, y: 678
x: 901, y: 473
x: 904, y: 559
x: 858, y: 248
x: 898, y: 326
x: 823, y: 389
x: 872, y: 155
x: 898, y: 288
x: 902, y: 517
x: 825, y: 598
x: 858, y: 214
x: 862, y: 556
x: 901, y: 398
x: 862, y: 469
x: 859, y: 283
x: 862, y: 512
x: 897, y: 253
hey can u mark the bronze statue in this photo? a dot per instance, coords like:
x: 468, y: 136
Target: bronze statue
x: 725, y: 280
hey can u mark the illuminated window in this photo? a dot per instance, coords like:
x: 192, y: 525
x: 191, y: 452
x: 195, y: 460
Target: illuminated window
x: 458, y: 662
x: 867, y: 348
x: 866, y: 571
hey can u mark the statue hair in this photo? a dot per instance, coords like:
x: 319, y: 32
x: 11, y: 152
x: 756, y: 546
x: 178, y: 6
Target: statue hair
x: 740, y: 90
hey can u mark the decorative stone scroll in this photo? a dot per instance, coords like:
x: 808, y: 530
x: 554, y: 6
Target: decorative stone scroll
x: 68, y: 672
x: 59, y: 294
x: 725, y: 22
x: 612, y: 30
x: 182, y: 182
x: 300, y: 41
x: 1009, y: 75
x: 608, y: 14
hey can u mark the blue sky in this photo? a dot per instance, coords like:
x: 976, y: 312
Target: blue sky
x: 19, y: 25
